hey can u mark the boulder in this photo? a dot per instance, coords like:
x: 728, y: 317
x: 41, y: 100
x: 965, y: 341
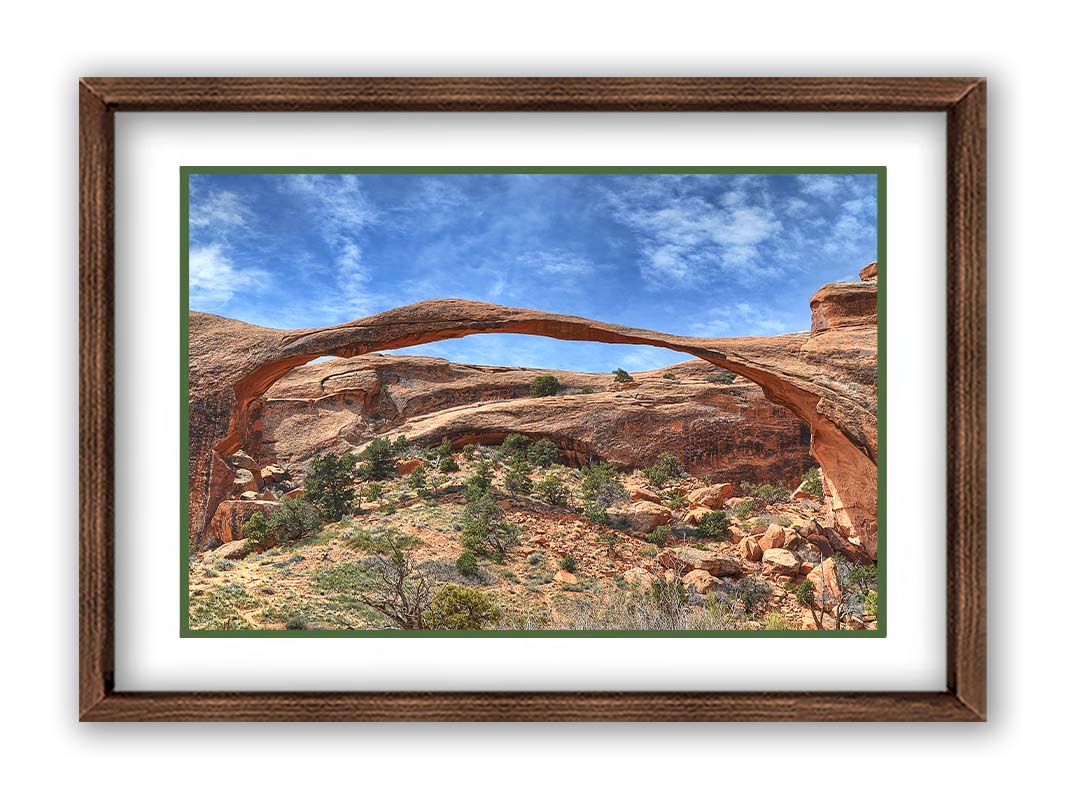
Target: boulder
x: 241, y: 460
x: 773, y: 538
x: 827, y: 590
x: 712, y: 496
x: 779, y: 561
x: 701, y: 580
x: 640, y: 493
x: 800, y: 494
x: 232, y: 551
x: 295, y: 493
x: 692, y: 518
x: 409, y: 466
x: 250, y: 495
x: 689, y: 558
x: 736, y: 533
x: 793, y: 540
x: 565, y: 577
x: 245, y: 480
x: 869, y: 272
x: 272, y: 474
x: 642, y: 516
x: 750, y: 549
x: 821, y: 542
x: 638, y: 577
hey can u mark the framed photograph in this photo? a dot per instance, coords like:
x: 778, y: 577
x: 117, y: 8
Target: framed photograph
x: 448, y: 406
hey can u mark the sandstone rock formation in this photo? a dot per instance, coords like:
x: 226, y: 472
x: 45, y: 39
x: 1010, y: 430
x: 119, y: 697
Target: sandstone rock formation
x: 727, y: 430
x: 827, y: 377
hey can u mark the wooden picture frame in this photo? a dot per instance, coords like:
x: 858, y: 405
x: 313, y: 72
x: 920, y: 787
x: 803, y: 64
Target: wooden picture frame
x: 963, y: 100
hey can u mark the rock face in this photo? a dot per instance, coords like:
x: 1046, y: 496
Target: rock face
x: 827, y: 378
x: 728, y: 430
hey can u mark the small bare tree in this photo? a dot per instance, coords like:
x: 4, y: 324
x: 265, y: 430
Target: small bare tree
x: 400, y: 590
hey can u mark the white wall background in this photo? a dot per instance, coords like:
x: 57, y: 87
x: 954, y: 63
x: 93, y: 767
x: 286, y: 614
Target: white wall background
x: 47, y: 45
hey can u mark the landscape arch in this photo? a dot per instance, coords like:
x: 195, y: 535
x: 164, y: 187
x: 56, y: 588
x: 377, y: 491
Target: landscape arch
x: 827, y: 378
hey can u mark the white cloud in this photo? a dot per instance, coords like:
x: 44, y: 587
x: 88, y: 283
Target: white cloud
x: 219, y: 210
x: 739, y: 319
x: 214, y: 278
x: 341, y: 207
x: 558, y: 263
x: 685, y: 238
x: 822, y: 186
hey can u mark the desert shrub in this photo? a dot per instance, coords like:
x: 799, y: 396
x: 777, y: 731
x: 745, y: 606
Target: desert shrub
x: 373, y: 491
x: 748, y: 592
x: 713, y: 524
x: 567, y: 562
x: 767, y: 492
x: 720, y: 377
x: 804, y: 592
x: 328, y: 484
x: 587, y: 390
x: 600, y: 485
x: 518, y: 482
x: 610, y: 542
x: 667, y: 466
x: 469, y: 450
x: 674, y: 500
x: 775, y: 622
x: 480, y: 480
x: 670, y: 376
x: 544, y: 385
x: 861, y: 579
x: 543, y: 453
x: 257, y: 532
x: 400, y: 444
x: 670, y: 464
x: 224, y: 565
x: 870, y: 604
x: 553, y: 491
x: 296, y: 624
x: 663, y: 606
x: 656, y: 476
x: 514, y: 443
x: 447, y: 464
x: 659, y: 536
x: 812, y: 483
x: 535, y: 559
x: 417, y: 478
x: 443, y: 449
x: 396, y: 586
x: 378, y: 459
x: 594, y: 513
x: 647, y: 550
x: 746, y: 508
x: 485, y: 530
x: 460, y: 608
x: 622, y: 376
x: 467, y: 564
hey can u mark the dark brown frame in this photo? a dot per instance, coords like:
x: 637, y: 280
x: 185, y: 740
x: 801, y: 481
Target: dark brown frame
x: 964, y: 102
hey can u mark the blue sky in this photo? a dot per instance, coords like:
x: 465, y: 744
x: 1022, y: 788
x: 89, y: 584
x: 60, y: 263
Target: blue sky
x: 702, y: 255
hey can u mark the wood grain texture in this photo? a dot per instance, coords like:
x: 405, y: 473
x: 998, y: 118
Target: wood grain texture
x: 530, y: 94
x: 962, y: 99
x: 966, y: 428
x: 96, y: 388
x: 532, y: 707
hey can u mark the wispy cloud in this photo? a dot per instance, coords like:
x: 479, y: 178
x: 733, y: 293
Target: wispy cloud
x: 219, y: 210
x: 214, y: 278
x: 740, y: 319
